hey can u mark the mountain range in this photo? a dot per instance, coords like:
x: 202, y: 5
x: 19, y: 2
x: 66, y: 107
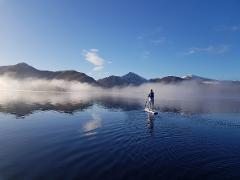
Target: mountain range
x: 23, y: 71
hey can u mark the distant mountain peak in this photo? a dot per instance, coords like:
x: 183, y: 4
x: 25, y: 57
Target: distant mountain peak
x: 23, y: 64
x: 187, y: 76
x: 132, y: 78
x: 167, y: 80
x: 191, y: 76
x: 195, y: 77
x: 127, y: 79
x: 133, y: 75
x: 130, y: 73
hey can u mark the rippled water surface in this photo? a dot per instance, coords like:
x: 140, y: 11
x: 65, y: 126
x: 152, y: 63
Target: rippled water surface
x: 59, y: 136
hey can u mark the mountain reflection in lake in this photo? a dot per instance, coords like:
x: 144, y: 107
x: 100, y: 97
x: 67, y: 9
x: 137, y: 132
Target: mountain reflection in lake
x: 46, y: 135
x: 23, y: 103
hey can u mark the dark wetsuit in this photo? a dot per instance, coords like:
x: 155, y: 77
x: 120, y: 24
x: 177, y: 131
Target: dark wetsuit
x: 151, y: 99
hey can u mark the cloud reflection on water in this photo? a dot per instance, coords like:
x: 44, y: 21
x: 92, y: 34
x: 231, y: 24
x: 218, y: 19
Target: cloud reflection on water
x: 92, y: 125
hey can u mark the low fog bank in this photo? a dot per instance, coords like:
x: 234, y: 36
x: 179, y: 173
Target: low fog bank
x: 31, y: 84
x: 27, y: 96
x: 185, y: 90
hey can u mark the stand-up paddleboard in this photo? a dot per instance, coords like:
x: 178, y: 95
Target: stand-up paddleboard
x: 150, y: 111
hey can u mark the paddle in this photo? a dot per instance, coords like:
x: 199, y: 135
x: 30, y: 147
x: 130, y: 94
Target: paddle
x: 145, y: 104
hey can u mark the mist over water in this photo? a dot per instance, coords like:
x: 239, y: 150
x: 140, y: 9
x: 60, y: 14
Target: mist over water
x: 188, y: 97
x: 189, y: 89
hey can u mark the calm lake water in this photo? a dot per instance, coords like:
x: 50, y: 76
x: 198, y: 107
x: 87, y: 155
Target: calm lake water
x: 61, y: 136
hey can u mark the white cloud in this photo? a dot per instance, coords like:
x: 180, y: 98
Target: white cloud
x: 210, y: 49
x: 93, y: 57
x: 97, y: 68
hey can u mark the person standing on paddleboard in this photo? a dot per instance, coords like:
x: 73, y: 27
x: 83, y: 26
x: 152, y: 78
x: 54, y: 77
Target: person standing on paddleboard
x: 151, y: 99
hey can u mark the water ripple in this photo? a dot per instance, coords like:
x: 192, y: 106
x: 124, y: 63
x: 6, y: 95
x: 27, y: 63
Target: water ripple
x: 108, y: 144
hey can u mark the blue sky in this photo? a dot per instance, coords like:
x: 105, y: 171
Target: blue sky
x: 153, y: 38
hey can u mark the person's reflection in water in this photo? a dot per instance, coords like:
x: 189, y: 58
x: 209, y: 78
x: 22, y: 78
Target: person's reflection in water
x: 150, y: 123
